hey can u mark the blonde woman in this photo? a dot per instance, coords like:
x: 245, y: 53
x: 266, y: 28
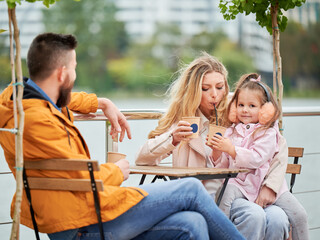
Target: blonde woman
x: 200, y: 88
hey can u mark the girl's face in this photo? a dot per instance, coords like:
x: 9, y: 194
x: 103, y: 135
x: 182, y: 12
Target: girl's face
x: 248, y: 106
x: 213, y: 90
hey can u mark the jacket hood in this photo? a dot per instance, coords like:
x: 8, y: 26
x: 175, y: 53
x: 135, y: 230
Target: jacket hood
x: 6, y: 101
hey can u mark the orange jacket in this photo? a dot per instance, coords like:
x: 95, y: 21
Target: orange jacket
x: 49, y: 133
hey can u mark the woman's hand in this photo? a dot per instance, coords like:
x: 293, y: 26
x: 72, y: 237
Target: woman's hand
x: 181, y: 132
x: 266, y: 197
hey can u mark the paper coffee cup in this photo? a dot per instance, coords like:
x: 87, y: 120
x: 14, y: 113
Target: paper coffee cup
x: 115, y: 156
x: 194, y: 123
x: 214, y: 129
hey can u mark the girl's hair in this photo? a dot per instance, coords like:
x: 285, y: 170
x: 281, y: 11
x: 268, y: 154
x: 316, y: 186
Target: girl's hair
x: 185, y: 93
x: 246, y: 82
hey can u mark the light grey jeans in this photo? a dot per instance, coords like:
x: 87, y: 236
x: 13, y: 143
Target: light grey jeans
x: 297, y: 215
x: 251, y: 220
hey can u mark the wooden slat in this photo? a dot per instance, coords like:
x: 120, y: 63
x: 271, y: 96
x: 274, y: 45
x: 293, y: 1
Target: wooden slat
x: 293, y: 168
x: 181, y: 171
x: 61, y: 164
x: 295, y: 152
x: 63, y: 184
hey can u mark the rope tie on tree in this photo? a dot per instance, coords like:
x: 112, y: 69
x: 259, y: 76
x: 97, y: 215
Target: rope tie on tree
x: 19, y: 168
x: 17, y: 83
x: 275, y: 28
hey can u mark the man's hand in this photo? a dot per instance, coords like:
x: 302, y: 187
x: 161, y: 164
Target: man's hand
x: 118, y: 121
x: 266, y: 197
x: 123, y: 164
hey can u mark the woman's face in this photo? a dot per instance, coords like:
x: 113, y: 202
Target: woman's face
x: 213, y: 90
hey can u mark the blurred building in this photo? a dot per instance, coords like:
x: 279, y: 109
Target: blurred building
x: 29, y: 17
x: 193, y: 17
x: 142, y: 16
x: 307, y: 14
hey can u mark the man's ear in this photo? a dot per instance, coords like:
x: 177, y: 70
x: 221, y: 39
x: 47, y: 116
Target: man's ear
x: 61, y: 74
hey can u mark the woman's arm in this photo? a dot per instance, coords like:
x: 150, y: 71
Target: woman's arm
x: 155, y: 149
x: 160, y: 147
x: 275, y: 176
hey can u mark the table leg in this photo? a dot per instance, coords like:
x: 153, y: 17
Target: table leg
x: 142, y: 179
x: 158, y: 177
x: 222, y: 189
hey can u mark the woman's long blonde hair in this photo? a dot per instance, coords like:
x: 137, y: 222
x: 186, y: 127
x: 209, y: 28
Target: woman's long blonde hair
x: 185, y: 93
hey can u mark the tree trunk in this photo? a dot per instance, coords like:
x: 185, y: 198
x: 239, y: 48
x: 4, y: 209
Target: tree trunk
x: 19, y: 125
x: 277, y: 63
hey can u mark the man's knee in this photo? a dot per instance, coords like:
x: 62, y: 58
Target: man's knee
x: 195, y: 224
x: 192, y: 184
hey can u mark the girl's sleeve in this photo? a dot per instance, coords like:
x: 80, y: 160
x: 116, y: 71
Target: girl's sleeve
x: 262, y: 149
x: 221, y: 162
x: 276, y: 174
x: 155, y: 149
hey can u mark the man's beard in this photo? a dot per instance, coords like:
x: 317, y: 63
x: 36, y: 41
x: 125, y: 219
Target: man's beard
x: 64, y: 94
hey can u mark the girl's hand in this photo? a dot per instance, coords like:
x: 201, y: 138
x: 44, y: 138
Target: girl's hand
x: 181, y: 132
x: 223, y: 144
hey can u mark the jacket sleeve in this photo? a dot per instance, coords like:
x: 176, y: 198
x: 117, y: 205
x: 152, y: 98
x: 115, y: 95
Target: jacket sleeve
x: 276, y: 174
x: 83, y: 102
x: 110, y: 174
x: 155, y: 149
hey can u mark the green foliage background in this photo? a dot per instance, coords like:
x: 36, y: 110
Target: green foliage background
x: 110, y: 62
x: 261, y: 8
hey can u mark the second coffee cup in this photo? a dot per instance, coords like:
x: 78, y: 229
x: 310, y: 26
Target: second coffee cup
x: 215, y: 129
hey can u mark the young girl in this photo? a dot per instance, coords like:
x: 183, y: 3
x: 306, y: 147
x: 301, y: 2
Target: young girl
x: 251, y: 142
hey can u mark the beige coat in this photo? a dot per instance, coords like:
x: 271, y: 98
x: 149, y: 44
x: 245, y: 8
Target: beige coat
x: 192, y: 154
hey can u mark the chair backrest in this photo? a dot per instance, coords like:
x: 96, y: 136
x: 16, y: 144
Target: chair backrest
x: 62, y: 184
x: 294, y: 168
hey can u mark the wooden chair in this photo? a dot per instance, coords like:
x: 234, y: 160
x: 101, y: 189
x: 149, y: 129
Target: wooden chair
x: 61, y: 184
x: 294, y: 168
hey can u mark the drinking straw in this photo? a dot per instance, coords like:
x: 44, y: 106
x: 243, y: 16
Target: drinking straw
x: 215, y: 110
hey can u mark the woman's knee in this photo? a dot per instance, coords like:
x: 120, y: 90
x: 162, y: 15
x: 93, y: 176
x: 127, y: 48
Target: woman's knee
x: 243, y: 211
x: 277, y: 220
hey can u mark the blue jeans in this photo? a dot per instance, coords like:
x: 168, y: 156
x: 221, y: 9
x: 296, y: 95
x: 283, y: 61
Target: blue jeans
x: 180, y: 209
x: 254, y: 222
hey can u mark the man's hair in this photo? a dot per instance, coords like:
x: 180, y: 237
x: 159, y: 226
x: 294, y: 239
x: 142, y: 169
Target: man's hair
x: 47, y: 52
